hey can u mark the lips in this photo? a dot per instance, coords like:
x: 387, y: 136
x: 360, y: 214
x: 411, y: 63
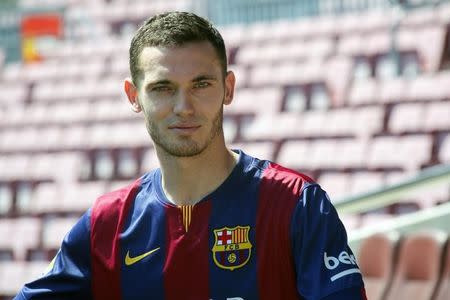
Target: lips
x: 184, y: 128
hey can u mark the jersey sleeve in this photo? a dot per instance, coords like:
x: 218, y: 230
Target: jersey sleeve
x: 326, y: 267
x: 69, y: 274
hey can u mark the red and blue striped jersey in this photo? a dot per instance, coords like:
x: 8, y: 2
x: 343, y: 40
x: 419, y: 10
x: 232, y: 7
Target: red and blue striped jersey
x: 266, y: 232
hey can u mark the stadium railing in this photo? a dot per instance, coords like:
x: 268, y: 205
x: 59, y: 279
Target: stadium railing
x: 436, y: 217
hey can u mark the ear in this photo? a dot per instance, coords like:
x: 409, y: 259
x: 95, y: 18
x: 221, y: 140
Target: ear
x: 132, y: 94
x: 229, y: 87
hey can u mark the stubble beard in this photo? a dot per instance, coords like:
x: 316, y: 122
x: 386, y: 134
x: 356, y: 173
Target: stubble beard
x: 185, y: 146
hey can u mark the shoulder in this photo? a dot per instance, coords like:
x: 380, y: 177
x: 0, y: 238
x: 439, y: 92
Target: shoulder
x: 275, y: 176
x: 113, y: 203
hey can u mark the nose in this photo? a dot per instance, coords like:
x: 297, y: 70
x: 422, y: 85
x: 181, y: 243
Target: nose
x: 183, y: 104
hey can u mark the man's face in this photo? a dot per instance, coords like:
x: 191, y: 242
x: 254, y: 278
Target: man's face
x: 182, y: 92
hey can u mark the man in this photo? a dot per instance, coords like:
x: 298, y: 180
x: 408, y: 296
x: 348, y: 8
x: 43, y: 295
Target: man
x: 210, y: 223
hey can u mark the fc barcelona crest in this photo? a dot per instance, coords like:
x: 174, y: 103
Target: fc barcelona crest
x: 232, y: 248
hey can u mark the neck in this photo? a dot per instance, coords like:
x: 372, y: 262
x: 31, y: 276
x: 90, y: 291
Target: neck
x: 186, y: 180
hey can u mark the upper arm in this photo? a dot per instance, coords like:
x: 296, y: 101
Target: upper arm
x: 69, y: 274
x: 324, y: 263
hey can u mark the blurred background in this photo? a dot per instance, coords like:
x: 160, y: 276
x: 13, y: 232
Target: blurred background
x: 354, y: 93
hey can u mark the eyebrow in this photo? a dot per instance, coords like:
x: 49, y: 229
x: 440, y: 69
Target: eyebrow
x: 166, y: 81
x: 204, y: 77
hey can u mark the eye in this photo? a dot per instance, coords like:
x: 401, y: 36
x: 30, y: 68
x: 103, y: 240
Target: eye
x: 161, y: 89
x: 202, y: 84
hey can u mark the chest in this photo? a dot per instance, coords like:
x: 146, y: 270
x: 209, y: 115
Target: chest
x: 204, y: 252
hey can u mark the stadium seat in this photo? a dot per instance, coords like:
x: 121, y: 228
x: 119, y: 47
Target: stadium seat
x: 351, y: 45
x: 14, y: 274
x: 322, y: 153
x: 351, y: 153
x: 13, y: 93
x: 367, y: 121
x: 339, y: 122
x: 437, y: 116
x: 263, y: 150
x: 45, y: 199
x: 419, y: 265
x: 431, y: 34
x: 78, y: 197
x: 74, y: 137
x: 392, y: 90
x: 406, y: 118
x: 363, y: 182
x: 42, y: 167
x: 149, y: 161
x: 426, y: 88
x: 377, y: 259
x: 312, y: 123
x: 14, y: 167
x: 54, y: 230
x: 338, y: 85
x: 26, y: 232
x: 265, y: 100
x: 13, y: 114
x: 377, y: 43
x: 443, y: 289
x: 272, y: 127
x: 336, y: 184
x: 408, y: 152
x: 363, y: 92
x: 295, y: 154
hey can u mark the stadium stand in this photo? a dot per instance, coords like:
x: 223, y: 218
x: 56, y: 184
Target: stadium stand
x: 323, y: 95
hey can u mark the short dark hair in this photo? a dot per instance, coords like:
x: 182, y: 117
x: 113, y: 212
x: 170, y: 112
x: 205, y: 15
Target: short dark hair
x: 174, y: 29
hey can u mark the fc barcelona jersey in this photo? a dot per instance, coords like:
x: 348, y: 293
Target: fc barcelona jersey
x: 266, y: 232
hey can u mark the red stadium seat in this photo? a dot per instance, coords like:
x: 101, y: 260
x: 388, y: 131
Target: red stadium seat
x: 377, y: 261
x: 419, y: 265
x: 443, y: 290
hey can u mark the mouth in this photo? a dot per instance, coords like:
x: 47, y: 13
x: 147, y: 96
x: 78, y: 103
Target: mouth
x: 184, y: 129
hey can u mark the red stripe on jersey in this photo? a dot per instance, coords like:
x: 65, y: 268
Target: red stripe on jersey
x: 279, y: 194
x: 186, y: 268
x: 107, y: 219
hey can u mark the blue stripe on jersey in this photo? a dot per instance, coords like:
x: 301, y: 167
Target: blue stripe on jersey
x: 144, y: 231
x: 230, y: 209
